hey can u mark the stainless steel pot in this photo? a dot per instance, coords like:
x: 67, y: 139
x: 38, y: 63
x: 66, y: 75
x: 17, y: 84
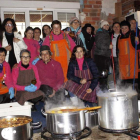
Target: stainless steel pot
x: 65, y: 123
x: 119, y: 111
x: 23, y: 132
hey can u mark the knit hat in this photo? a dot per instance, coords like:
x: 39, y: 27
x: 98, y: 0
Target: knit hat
x: 45, y: 47
x: 104, y: 22
x: 73, y: 19
x: 125, y: 23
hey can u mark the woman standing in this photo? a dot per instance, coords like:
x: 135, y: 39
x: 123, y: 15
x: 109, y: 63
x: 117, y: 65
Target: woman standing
x: 32, y: 45
x: 26, y: 80
x: 82, y: 77
x: 46, y: 30
x: 12, y: 42
x: 37, y: 33
x: 114, y: 37
x: 102, y: 51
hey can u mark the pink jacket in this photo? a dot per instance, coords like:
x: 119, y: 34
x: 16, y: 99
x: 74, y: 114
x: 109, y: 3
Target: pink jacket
x: 33, y: 47
x: 8, y: 77
x: 59, y: 37
x: 15, y: 73
x: 51, y: 74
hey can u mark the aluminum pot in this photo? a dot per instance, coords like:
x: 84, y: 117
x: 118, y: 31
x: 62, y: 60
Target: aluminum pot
x: 65, y: 123
x: 119, y: 111
x: 23, y: 132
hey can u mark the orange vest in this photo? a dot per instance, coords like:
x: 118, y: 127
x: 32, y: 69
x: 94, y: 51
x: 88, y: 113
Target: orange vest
x: 127, y: 59
x: 61, y: 52
x: 3, y: 88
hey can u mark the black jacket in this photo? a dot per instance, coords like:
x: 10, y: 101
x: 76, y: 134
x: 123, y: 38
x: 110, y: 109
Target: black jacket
x: 93, y: 69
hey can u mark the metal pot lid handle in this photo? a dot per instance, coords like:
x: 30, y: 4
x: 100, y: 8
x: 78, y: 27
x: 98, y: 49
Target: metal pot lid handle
x: 42, y: 111
x: 36, y: 125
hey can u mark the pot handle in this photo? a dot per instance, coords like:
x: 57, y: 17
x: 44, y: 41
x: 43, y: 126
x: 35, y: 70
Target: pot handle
x: 42, y: 111
x: 36, y: 125
x: 121, y: 96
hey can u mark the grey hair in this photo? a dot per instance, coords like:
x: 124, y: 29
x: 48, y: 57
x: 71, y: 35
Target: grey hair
x: 25, y: 50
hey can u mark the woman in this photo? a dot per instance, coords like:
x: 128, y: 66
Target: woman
x: 32, y: 45
x: 75, y: 32
x: 6, y: 81
x: 61, y: 45
x: 46, y: 30
x: 37, y: 33
x: 126, y: 54
x: 102, y: 51
x: 114, y: 38
x: 26, y: 80
x: 12, y: 42
x: 88, y: 32
x: 82, y: 77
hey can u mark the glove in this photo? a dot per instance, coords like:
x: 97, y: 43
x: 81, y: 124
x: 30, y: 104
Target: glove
x: 31, y: 88
x: 35, y: 61
x: 11, y: 92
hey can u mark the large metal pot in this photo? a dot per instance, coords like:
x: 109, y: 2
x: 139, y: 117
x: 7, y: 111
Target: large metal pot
x: 23, y: 132
x: 65, y: 123
x: 119, y: 111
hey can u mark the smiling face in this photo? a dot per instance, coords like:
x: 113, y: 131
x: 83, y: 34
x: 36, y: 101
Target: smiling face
x: 133, y: 24
x: 2, y: 57
x: 75, y: 24
x: 79, y: 53
x: 124, y: 29
x: 25, y: 58
x: 45, y: 55
x: 116, y: 28
x: 56, y: 29
x: 46, y: 30
x: 106, y: 27
x: 36, y: 33
x: 29, y: 34
x: 9, y: 27
x: 89, y: 30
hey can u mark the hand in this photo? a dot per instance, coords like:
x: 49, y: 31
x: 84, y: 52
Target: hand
x: 52, y: 94
x: 30, y: 88
x: 11, y: 92
x: 137, y: 39
x: 83, y: 81
x: 35, y: 61
x: 111, y: 46
x: 67, y: 32
x: 16, y: 40
x: 15, y: 66
x: 8, y: 48
x: 89, y: 90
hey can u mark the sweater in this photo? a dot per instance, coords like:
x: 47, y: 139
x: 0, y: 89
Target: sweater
x: 59, y: 37
x: 50, y: 74
x: 15, y: 73
x: 8, y: 77
x: 33, y: 46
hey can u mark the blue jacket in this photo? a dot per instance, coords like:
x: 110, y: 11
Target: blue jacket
x: 91, y: 65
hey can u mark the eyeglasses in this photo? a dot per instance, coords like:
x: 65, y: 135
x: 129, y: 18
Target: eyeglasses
x: 9, y: 24
x: 25, y: 57
x: 75, y: 22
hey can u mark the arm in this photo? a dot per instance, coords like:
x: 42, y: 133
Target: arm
x: 38, y: 83
x: 133, y: 42
x: 60, y: 76
x: 71, y: 75
x: 72, y: 43
x: 46, y: 41
x: 95, y: 74
x: 15, y: 72
x: 8, y: 80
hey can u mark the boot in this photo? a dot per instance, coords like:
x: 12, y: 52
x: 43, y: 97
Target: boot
x: 74, y: 101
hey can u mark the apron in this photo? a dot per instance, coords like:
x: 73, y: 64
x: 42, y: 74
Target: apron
x: 24, y: 79
x: 79, y: 89
x: 127, y: 59
x: 61, y: 52
x: 3, y: 88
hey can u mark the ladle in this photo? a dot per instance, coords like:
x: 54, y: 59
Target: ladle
x: 80, y: 109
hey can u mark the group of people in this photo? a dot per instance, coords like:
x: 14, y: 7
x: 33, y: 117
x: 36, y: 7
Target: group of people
x: 72, y: 60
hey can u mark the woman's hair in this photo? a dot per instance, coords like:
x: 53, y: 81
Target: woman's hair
x: 3, y: 50
x: 1, y: 33
x: 56, y: 22
x: 37, y: 28
x: 73, y: 57
x: 13, y: 22
x: 25, y: 50
x: 44, y: 35
x: 27, y: 29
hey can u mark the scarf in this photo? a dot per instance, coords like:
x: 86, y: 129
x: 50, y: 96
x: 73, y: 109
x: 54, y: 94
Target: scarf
x: 1, y: 68
x: 80, y: 34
